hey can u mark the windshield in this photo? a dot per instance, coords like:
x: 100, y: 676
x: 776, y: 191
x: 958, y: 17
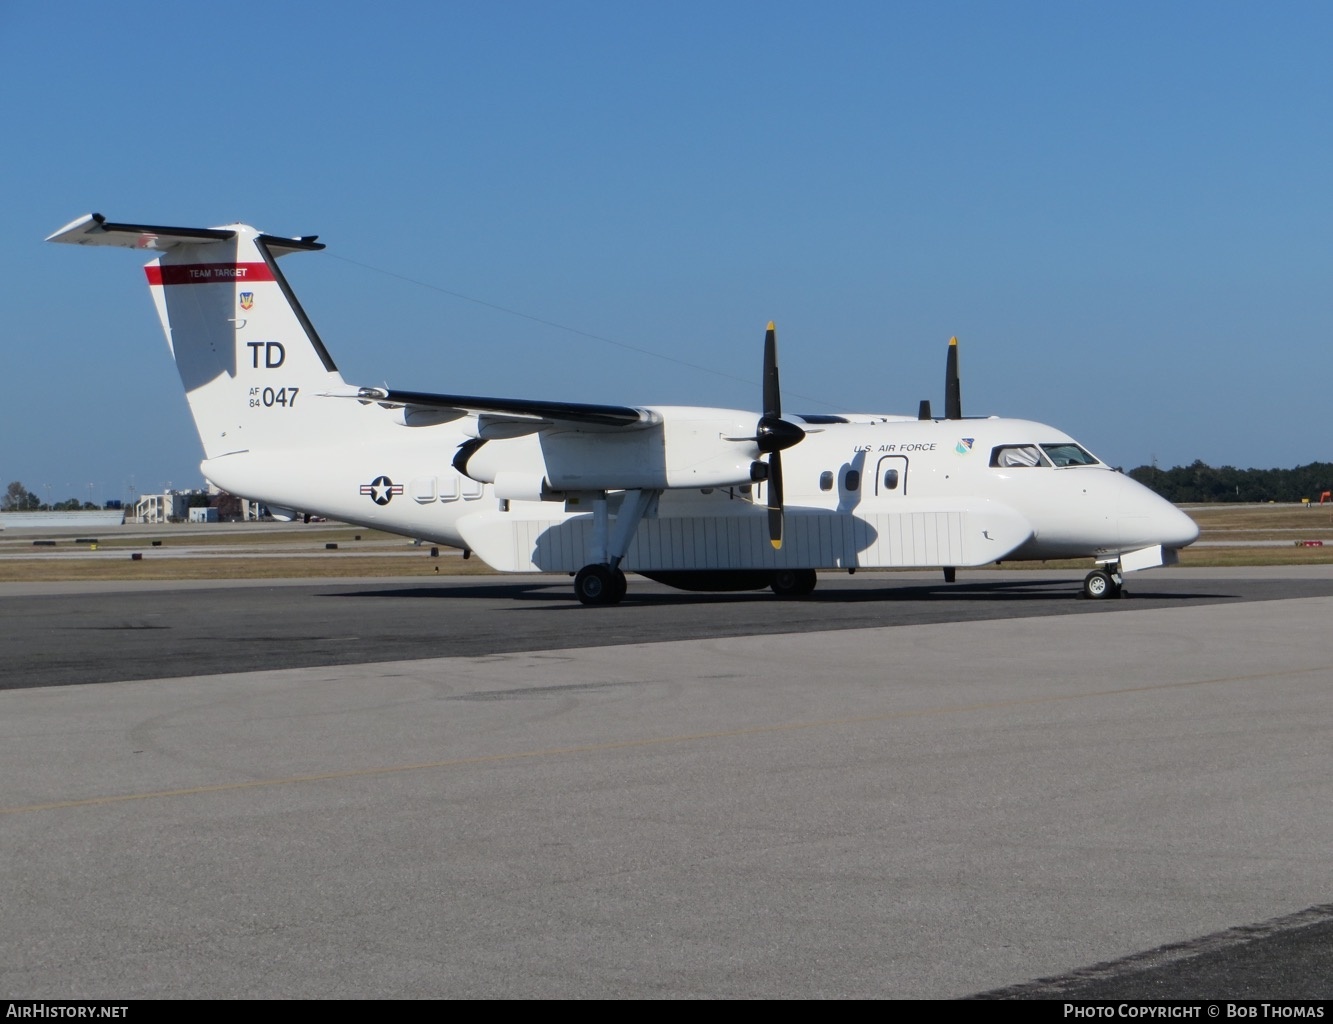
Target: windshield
x: 1069, y: 454
x: 1008, y: 456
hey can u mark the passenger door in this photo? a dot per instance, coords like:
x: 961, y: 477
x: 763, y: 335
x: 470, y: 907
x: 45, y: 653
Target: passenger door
x: 891, y: 476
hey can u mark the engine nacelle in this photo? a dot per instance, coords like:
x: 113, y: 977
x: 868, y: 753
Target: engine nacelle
x: 690, y: 447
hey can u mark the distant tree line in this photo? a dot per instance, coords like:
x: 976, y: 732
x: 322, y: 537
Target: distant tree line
x: 18, y: 498
x: 1199, y: 482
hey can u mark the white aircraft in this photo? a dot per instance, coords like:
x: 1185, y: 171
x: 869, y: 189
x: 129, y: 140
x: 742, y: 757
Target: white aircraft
x: 698, y: 498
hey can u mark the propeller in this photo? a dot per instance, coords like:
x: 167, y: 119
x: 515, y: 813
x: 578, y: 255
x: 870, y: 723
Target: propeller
x: 953, y: 395
x: 774, y: 434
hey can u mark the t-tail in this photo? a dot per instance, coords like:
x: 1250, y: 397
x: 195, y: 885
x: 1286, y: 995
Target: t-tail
x: 253, y: 366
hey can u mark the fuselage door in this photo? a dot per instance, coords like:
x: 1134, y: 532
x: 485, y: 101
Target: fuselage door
x: 891, y: 476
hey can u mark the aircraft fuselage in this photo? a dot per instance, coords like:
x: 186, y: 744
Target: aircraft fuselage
x: 874, y: 492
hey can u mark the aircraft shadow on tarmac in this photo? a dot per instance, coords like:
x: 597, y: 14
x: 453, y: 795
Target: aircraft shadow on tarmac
x: 1011, y: 591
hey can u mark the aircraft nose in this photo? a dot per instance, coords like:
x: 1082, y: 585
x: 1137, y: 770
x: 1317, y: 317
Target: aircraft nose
x: 1148, y: 518
x: 1162, y: 523
x: 1178, y: 529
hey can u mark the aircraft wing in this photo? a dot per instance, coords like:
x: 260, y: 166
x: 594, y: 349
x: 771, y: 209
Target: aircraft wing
x: 520, y: 410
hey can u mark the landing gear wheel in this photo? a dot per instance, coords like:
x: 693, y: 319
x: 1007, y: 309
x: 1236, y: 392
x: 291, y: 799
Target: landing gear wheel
x: 793, y: 582
x: 622, y: 585
x: 597, y: 584
x: 1100, y: 584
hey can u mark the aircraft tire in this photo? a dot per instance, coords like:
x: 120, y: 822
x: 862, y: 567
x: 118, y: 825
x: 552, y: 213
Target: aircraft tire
x: 596, y: 584
x: 1100, y: 585
x: 793, y: 582
x: 621, y: 586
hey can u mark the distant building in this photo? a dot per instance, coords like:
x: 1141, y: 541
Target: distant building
x: 196, y: 506
x: 232, y: 509
x: 160, y: 508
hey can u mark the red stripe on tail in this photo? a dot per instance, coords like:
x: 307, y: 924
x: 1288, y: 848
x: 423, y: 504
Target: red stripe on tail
x: 208, y: 273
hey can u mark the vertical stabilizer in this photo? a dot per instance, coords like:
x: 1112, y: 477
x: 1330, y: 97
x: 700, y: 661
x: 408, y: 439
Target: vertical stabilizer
x: 252, y: 364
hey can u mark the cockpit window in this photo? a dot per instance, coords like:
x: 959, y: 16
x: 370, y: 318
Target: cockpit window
x: 1069, y: 454
x: 1016, y: 455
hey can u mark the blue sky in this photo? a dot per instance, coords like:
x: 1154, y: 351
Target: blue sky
x: 1122, y: 210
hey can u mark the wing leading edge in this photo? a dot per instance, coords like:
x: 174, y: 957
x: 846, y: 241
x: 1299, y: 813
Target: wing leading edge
x: 524, y: 409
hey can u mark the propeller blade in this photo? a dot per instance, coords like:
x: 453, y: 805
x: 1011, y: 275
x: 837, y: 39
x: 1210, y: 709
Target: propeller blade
x: 953, y: 394
x: 772, y: 394
x: 775, y: 499
x: 773, y: 434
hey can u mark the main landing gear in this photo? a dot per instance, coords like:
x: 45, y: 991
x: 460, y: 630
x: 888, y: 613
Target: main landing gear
x: 603, y: 581
x: 1103, y: 583
x: 793, y: 582
x: 600, y: 584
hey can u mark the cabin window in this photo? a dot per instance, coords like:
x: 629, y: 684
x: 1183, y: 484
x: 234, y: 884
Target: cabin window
x: 852, y: 481
x: 890, y: 479
x: 1008, y: 456
x: 826, y: 480
x: 1068, y: 454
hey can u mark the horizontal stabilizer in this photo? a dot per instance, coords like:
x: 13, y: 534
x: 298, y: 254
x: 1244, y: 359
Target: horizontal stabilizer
x: 94, y: 229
